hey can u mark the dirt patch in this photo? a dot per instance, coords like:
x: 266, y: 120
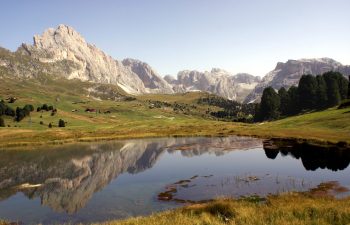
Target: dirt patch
x: 328, y: 189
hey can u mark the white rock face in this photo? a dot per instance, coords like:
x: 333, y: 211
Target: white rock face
x: 217, y: 81
x: 289, y: 73
x: 66, y: 47
x: 152, y: 81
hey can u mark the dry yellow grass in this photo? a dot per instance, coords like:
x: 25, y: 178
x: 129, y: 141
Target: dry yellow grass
x: 287, y: 209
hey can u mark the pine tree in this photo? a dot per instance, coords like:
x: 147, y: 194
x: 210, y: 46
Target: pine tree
x: 293, y: 104
x: 321, y: 92
x: 270, y: 103
x: 284, y: 98
x: 307, y: 91
x: 343, y: 85
x: 333, y: 93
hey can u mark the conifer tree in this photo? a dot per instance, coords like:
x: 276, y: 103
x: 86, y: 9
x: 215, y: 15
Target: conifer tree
x: 270, y: 103
x: 284, y: 98
x: 333, y: 92
x: 293, y: 104
x: 307, y: 89
x: 321, y: 93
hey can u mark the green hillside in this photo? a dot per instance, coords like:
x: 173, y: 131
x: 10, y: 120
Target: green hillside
x: 145, y: 116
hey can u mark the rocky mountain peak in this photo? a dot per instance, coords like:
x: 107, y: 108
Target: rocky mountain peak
x: 65, y: 48
x: 170, y: 79
x: 246, y: 78
x: 150, y: 78
x: 62, y: 35
x: 219, y: 71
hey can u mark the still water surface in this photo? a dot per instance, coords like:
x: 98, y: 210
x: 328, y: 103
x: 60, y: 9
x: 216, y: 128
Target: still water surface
x: 91, y: 182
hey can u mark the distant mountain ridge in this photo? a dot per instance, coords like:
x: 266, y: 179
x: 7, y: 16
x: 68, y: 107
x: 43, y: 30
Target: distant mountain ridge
x: 64, y: 52
x: 70, y: 56
x: 217, y: 81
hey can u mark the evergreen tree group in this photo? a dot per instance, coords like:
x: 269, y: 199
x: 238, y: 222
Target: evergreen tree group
x: 21, y: 113
x: 6, y: 110
x: 18, y: 114
x: 313, y: 93
x: 44, y: 107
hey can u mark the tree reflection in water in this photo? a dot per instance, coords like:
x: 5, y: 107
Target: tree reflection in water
x: 313, y: 157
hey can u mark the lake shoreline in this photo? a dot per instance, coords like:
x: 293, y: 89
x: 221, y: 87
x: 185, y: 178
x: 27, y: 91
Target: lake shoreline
x: 326, y: 128
x: 310, y: 141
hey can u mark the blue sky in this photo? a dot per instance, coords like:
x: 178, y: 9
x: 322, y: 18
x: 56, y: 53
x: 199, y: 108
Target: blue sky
x: 171, y: 35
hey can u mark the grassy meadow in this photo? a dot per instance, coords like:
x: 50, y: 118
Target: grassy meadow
x: 138, y: 118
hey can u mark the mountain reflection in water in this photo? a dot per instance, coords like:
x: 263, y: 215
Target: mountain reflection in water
x: 66, y: 177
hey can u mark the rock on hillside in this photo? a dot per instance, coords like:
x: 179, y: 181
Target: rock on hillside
x: 289, y: 73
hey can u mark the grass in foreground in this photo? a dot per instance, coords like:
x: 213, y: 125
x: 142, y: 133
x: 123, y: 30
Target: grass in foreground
x: 287, y: 209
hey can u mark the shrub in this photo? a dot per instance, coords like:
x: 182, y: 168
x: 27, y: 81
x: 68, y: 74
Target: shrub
x: 10, y: 112
x: 29, y: 108
x: 44, y: 107
x: 20, y: 114
x: 2, y: 122
x: 61, y: 123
